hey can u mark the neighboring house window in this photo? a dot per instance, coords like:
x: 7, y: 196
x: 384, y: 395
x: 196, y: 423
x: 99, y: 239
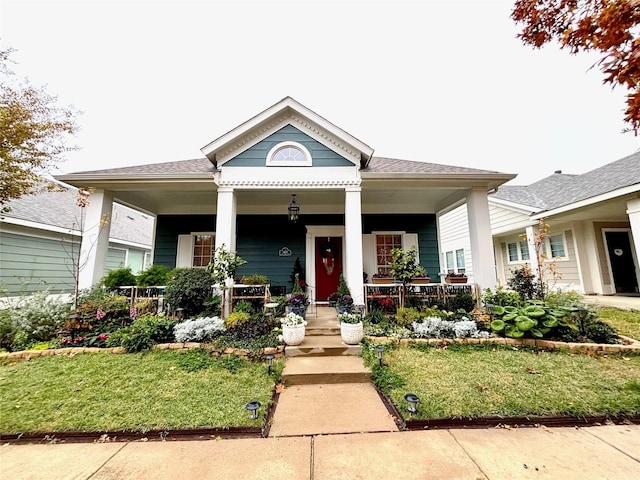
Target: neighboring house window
x: 147, y: 260
x: 289, y: 154
x: 460, y: 267
x: 203, y: 249
x: 455, y: 261
x: 518, y: 251
x: 555, y: 245
x: 384, y: 245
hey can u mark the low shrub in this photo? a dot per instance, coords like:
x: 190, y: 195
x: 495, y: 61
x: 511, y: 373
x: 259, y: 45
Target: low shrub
x: 120, y: 277
x: 188, y: 288
x: 199, y: 330
x: 236, y: 319
x: 39, y: 319
x: 244, y: 306
x: 501, y: 297
x: 155, y: 275
x: 104, y: 313
x: 601, y: 332
x: 143, y: 333
x: 435, y: 327
x: 407, y: 316
x: 212, y: 307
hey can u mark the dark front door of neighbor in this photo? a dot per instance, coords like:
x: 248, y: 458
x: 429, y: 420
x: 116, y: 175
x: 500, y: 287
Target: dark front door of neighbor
x: 328, y: 265
x: 622, y: 266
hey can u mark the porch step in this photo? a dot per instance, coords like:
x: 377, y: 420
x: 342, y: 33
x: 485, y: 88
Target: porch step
x: 322, y: 370
x: 322, y: 346
x: 324, y: 322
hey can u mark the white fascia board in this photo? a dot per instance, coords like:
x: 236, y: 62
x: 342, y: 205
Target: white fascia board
x: 242, y: 130
x: 515, y: 228
x: 518, y: 207
x: 41, y: 226
x: 87, y: 178
x: 126, y: 243
x: 465, y: 180
x: 589, y: 201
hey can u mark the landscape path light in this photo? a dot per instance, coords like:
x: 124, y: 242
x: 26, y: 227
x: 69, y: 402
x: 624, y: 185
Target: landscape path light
x: 379, y: 350
x: 253, y: 407
x: 412, y: 402
x: 269, y: 357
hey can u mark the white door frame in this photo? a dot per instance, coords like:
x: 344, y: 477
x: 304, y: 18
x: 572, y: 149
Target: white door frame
x: 611, y: 289
x: 314, y: 231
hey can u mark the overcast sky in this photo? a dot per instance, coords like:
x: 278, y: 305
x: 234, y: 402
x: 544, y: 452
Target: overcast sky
x: 444, y: 82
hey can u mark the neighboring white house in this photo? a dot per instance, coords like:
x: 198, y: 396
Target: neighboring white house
x: 41, y: 234
x: 354, y: 207
x: 594, y: 228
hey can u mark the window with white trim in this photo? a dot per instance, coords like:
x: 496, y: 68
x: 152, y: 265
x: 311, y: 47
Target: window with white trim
x: 454, y: 261
x: 518, y: 251
x: 384, y: 244
x: 556, y: 245
x: 203, y: 249
x: 289, y: 154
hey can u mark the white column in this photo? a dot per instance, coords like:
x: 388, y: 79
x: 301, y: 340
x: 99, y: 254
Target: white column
x: 226, y: 219
x: 582, y: 256
x: 633, y: 210
x: 352, y: 256
x: 482, y: 259
x: 95, y: 238
x: 531, y: 245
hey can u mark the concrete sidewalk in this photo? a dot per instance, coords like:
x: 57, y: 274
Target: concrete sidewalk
x: 606, y: 452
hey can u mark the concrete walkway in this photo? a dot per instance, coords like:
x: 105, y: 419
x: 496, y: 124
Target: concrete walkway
x: 607, y: 452
x: 618, y: 301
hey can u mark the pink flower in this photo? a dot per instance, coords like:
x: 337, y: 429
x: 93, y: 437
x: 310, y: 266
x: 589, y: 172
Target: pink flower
x: 103, y: 336
x: 100, y: 314
x: 133, y: 312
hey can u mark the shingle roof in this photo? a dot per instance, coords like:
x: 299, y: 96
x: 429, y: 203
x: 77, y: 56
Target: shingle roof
x: 559, y: 189
x: 394, y: 165
x: 58, y: 208
x: 180, y: 167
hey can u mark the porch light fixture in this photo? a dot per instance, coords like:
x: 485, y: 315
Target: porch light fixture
x: 269, y: 357
x: 252, y: 407
x: 379, y: 349
x: 412, y: 402
x: 294, y: 209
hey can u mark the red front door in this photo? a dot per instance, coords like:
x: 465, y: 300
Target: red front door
x: 328, y: 265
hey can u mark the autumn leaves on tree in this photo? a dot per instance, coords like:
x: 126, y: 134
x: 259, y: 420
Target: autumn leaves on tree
x: 611, y: 27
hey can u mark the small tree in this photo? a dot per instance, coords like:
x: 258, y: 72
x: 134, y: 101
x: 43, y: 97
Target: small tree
x: 343, y: 288
x: 546, y: 265
x: 223, y: 268
x: 404, y: 265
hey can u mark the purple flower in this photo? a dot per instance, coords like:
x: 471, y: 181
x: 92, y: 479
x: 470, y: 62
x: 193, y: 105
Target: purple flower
x: 100, y: 315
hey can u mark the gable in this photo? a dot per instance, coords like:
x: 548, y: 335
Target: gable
x: 256, y: 156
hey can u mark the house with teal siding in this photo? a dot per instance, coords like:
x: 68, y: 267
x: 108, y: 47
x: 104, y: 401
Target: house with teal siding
x: 41, y: 235
x: 354, y: 207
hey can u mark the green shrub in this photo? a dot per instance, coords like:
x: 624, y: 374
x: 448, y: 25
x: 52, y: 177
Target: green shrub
x: 524, y: 282
x: 155, y: 275
x: 212, y: 307
x: 236, y: 319
x: 7, y: 329
x: 561, y: 298
x: 374, y: 317
x: 406, y: 316
x: 244, y: 306
x: 601, y: 332
x: 143, y: 333
x: 188, y: 288
x: 501, y: 297
x: 120, y: 277
x: 255, y: 279
x: 343, y: 288
x: 104, y: 313
x: 462, y: 301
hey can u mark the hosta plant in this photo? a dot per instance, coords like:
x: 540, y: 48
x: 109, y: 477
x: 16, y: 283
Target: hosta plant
x: 535, y: 320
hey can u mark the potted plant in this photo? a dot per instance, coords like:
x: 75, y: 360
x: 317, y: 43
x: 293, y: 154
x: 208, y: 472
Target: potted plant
x: 382, y: 278
x: 351, y: 328
x: 404, y: 266
x: 455, y: 278
x: 333, y: 299
x: 344, y: 304
x: 297, y: 303
x: 293, y: 328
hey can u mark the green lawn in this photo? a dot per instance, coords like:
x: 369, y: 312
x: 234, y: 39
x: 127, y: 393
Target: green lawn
x: 465, y: 381
x: 625, y: 322
x: 133, y: 392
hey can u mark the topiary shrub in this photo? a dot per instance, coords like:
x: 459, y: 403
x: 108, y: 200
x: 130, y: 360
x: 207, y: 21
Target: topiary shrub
x: 120, y: 277
x: 188, y: 288
x: 524, y: 282
x: 155, y: 275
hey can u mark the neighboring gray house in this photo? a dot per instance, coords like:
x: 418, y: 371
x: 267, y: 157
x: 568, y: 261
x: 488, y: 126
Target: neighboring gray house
x: 594, y: 228
x: 42, y: 231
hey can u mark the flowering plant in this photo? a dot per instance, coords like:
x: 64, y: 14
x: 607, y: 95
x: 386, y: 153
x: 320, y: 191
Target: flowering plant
x: 352, y: 318
x: 292, y: 320
x: 297, y: 300
x: 344, y: 301
x: 456, y: 275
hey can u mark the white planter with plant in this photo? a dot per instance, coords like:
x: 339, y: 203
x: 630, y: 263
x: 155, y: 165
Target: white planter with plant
x: 351, y: 328
x: 293, y: 328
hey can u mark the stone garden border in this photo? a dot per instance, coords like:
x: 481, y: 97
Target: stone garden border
x: 631, y: 346
x: 72, y: 351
